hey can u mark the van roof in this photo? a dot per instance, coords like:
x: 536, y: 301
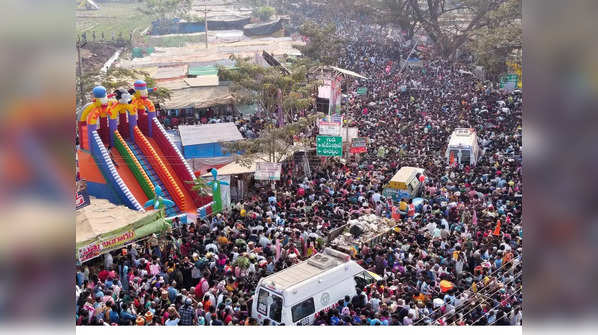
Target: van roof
x: 462, y: 137
x: 314, y: 266
x: 403, y: 176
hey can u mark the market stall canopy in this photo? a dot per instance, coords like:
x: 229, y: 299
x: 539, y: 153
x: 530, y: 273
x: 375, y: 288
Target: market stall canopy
x: 198, y: 97
x: 233, y: 169
x: 209, y: 133
x: 238, y: 168
x: 102, y: 227
x: 102, y: 216
x: 348, y: 72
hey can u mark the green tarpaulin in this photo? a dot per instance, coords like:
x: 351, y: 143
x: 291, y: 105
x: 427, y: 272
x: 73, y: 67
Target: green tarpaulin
x: 202, y: 70
x: 362, y: 90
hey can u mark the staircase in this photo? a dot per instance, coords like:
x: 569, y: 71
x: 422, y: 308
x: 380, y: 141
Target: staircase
x: 170, y: 211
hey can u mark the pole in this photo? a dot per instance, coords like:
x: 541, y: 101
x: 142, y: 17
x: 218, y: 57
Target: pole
x: 411, y: 52
x: 205, y: 18
x: 348, y: 142
x: 330, y: 99
x: 80, y: 74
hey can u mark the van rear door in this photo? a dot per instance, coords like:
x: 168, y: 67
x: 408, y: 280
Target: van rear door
x: 269, y: 306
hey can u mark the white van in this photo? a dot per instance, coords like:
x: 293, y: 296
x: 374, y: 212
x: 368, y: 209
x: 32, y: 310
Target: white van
x: 296, y: 295
x: 463, y: 145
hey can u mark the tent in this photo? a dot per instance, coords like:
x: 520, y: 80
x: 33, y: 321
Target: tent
x: 103, y: 226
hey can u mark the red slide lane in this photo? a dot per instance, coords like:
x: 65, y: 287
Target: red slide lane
x: 128, y: 177
x: 177, y: 180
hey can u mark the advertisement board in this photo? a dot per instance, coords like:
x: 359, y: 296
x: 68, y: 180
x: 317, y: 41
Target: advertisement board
x: 330, y: 128
x: 358, y: 145
x: 267, y: 171
x: 94, y: 249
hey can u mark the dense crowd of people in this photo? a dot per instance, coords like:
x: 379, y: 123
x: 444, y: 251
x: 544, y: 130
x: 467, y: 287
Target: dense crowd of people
x: 468, y: 230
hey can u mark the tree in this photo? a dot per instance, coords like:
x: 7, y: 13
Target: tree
x: 323, y: 44
x: 200, y: 186
x: 264, y: 13
x: 268, y: 86
x: 165, y: 10
x: 401, y: 12
x: 450, y: 24
x: 496, y: 45
x: 273, y: 145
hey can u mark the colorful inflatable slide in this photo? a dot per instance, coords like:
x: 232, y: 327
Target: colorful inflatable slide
x: 129, y: 154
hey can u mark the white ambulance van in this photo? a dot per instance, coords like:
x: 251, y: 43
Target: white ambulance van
x: 463, y: 146
x: 295, y: 296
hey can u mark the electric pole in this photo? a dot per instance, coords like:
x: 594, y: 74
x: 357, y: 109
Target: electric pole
x: 205, y: 19
x: 79, y: 45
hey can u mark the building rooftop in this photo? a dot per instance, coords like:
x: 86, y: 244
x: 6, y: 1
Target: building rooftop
x: 209, y: 133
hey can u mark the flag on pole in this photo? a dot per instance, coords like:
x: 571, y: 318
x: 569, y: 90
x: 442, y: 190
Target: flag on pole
x: 452, y: 159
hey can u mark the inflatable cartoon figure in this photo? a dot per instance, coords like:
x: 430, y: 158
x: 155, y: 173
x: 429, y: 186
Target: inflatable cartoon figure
x: 119, y: 110
x: 97, y: 108
x: 216, y: 196
x: 140, y: 99
x: 159, y: 201
x: 146, y: 111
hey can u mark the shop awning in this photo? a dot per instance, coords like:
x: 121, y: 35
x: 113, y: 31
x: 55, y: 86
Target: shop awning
x: 103, y: 226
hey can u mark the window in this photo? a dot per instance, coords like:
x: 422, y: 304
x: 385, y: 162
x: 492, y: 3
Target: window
x: 414, y: 186
x: 303, y: 309
x: 465, y: 157
x: 262, y: 302
x: 276, y: 308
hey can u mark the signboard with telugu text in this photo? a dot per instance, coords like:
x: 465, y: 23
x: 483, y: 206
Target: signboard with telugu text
x: 329, y: 146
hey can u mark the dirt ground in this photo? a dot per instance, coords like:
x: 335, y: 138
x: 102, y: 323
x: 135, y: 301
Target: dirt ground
x: 95, y: 54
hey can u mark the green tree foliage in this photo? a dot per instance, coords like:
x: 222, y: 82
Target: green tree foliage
x: 498, y: 42
x: 164, y: 10
x: 200, y: 186
x: 401, y: 13
x: 268, y: 86
x: 450, y: 24
x: 264, y: 13
x: 273, y: 145
x: 323, y: 44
